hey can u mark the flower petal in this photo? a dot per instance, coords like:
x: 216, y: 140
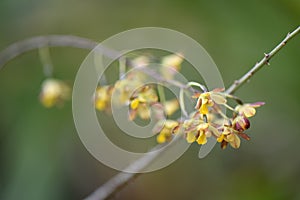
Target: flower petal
x: 249, y: 111
x: 236, y: 142
x: 203, y: 109
x: 190, y: 137
x: 134, y: 104
x: 219, y: 99
x: 202, y: 138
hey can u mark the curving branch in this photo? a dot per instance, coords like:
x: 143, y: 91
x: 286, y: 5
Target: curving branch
x: 21, y: 47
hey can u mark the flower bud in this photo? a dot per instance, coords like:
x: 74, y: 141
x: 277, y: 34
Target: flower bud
x: 241, y: 123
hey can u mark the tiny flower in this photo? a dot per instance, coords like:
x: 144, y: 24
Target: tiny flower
x: 203, y: 133
x: 166, y: 130
x: 200, y: 132
x: 208, y: 99
x: 248, y: 109
x: 241, y: 123
x: 171, y: 64
x: 54, y: 92
x: 103, y: 97
x: 170, y: 107
x: 230, y: 136
x: 140, y: 102
x: 140, y: 61
x: 123, y: 90
x: 204, y: 102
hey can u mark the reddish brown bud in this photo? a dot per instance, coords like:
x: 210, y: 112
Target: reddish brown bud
x: 241, y: 123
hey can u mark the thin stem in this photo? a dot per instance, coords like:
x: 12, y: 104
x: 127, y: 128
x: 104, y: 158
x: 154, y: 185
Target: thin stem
x: 161, y: 93
x: 265, y: 60
x: 181, y: 102
x: 122, y: 67
x: 202, y: 87
x: 45, y: 58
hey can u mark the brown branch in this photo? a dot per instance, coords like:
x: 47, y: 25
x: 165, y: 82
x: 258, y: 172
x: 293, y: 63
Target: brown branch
x: 264, y: 61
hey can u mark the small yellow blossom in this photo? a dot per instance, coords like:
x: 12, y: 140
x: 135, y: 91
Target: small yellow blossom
x: 248, y: 109
x: 170, y: 107
x: 103, y: 97
x: 230, y: 136
x: 141, y: 102
x: 54, y: 92
x: 204, y: 102
x: 171, y: 64
x: 166, y: 131
x: 197, y: 130
x: 123, y: 90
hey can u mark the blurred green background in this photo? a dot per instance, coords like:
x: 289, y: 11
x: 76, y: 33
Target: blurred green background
x: 41, y: 156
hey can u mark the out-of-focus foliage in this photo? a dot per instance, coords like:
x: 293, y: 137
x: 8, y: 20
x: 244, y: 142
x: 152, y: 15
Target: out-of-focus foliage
x: 41, y: 155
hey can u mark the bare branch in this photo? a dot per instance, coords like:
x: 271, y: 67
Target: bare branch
x: 264, y: 61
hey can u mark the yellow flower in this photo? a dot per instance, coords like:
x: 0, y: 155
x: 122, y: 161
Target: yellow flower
x: 204, y: 102
x: 200, y: 132
x: 166, y: 131
x: 103, y: 97
x: 141, y: 102
x: 170, y: 107
x: 170, y: 65
x: 229, y: 136
x: 208, y: 99
x: 54, y: 92
x: 123, y: 90
x: 248, y: 109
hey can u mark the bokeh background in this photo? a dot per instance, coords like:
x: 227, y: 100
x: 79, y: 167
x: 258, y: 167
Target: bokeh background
x: 41, y: 156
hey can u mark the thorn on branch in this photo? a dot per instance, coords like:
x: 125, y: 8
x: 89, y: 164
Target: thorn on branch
x: 267, y: 56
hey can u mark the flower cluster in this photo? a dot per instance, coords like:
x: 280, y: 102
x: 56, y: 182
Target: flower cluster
x: 207, y: 120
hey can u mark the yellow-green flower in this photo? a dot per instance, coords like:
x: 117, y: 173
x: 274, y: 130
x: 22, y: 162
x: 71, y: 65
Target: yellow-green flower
x: 229, y: 136
x: 170, y: 107
x: 166, y: 130
x: 248, y: 109
x: 170, y: 65
x: 54, y: 92
x: 204, y: 102
x: 200, y: 132
x: 141, y: 101
x: 208, y: 99
x: 103, y: 97
x: 124, y: 89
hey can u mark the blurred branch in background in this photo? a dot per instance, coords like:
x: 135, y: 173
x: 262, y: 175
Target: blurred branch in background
x: 38, y: 42
x: 116, y: 183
